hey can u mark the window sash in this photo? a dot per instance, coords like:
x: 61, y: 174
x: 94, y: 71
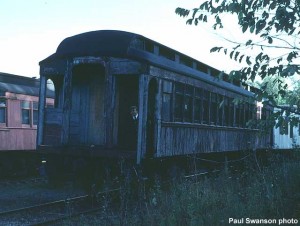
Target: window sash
x: 25, y: 112
x: 2, y: 111
x: 26, y: 116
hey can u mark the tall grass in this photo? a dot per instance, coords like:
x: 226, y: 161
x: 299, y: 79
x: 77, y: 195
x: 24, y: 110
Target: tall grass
x: 271, y: 191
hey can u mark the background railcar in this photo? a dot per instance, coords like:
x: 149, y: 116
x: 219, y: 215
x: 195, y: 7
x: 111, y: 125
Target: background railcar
x: 184, y: 106
x: 286, y: 136
x: 19, y: 98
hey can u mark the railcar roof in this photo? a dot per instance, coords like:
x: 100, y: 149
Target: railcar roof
x: 116, y: 43
x: 20, y: 89
x: 96, y: 43
x: 20, y: 85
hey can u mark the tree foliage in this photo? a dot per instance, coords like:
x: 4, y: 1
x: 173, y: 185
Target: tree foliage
x: 276, y: 25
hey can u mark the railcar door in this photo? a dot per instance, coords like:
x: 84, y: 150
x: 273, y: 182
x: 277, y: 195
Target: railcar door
x: 151, y: 119
x: 128, y: 97
x: 86, y: 119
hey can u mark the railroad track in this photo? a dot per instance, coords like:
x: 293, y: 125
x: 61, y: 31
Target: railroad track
x: 52, y: 212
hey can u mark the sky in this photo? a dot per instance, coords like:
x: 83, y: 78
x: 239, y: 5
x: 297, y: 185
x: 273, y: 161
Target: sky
x: 31, y: 30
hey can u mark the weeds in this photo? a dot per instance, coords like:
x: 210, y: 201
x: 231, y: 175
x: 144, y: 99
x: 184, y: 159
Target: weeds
x: 268, y: 192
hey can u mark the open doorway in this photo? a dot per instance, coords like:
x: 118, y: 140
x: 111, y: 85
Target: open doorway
x: 151, y: 122
x: 127, y: 126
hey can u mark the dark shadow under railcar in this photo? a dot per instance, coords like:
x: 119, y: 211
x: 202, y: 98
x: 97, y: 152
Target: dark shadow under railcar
x: 19, y: 164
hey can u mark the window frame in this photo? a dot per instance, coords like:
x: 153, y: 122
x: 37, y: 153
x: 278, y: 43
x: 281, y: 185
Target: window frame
x: 178, y: 102
x: 188, y: 103
x: 291, y: 127
x: 32, y: 107
x: 283, y: 128
x: 4, y: 109
x: 197, y: 106
x: 205, y: 107
x: 35, y: 111
x: 25, y: 109
x: 213, y: 108
x: 220, y: 105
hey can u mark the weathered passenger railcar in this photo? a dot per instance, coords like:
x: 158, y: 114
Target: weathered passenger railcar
x: 184, y: 106
x: 19, y: 98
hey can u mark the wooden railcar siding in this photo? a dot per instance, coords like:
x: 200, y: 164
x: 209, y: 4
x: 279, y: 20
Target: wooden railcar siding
x: 175, y: 138
x: 109, y: 105
x: 67, y: 95
x: 43, y: 87
x: 96, y: 111
x: 13, y: 113
x: 53, y: 135
x: 143, y: 110
x: 119, y: 66
x: 53, y: 126
x: 158, y: 140
x: 182, y: 139
x: 17, y: 138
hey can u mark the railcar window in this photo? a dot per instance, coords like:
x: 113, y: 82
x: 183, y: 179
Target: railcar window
x: 167, y: 53
x: 213, y: 108
x: 25, y: 106
x: 35, y: 112
x: 283, y: 129
x: 221, y: 109
x: 258, y: 112
x: 253, y: 111
x: 205, y: 109
x: 197, y: 105
x: 186, y: 61
x: 291, y: 131
x: 166, y: 116
x: 201, y: 67
x: 231, y: 112
x: 226, y: 78
x: 2, y: 111
x: 242, y: 115
x: 166, y: 107
x: 247, y: 114
x: 149, y: 46
x: 267, y: 117
x: 179, y: 94
x: 237, y: 115
x: 188, y: 103
x: 226, y: 111
x: 215, y: 73
x: 263, y: 113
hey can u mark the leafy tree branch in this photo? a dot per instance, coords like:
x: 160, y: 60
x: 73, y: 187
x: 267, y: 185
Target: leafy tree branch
x: 275, y: 24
